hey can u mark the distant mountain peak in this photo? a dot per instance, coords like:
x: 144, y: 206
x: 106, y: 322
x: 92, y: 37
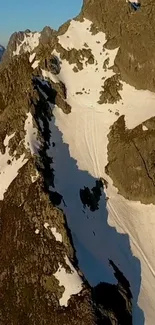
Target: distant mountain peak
x: 2, y: 50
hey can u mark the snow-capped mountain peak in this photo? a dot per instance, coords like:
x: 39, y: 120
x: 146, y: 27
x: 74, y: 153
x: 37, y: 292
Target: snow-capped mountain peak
x: 77, y: 148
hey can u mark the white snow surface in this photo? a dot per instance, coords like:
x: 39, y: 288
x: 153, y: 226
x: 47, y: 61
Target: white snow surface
x: 71, y: 282
x: 54, y: 231
x: 31, y: 141
x: 29, y: 43
x: 35, y: 64
x: 120, y: 230
x: 46, y: 225
x: 133, y: 1
x: 8, y: 172
x: 56, y: 234
x: 144, y: 128
x: 31, y: 57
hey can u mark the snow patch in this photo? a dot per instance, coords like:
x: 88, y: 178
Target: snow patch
x: 31, y: 57
x: 35, y: 64
x: 9, y: 167
x: 133, y: 1
x: 8, y: 138
x: 56, y: 234
x: 29, y: 43
x: 54, y: 231
x: 144, y: 128
x: 31, y: 141
x: 46, y: 225
x: 71, y: 282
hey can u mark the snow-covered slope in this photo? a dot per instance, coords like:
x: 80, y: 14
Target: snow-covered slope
x: 120, y: 230
x: 10, y: 163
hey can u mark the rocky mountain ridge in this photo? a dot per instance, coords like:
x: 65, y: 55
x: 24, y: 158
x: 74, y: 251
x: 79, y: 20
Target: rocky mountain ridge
x: 35, y: 239
x: 49, y: 207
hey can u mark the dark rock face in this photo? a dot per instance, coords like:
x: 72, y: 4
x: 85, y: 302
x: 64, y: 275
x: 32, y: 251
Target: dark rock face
x: 56, y: 94
x: 132, y: 31
x: 110, y: 93
x: 14, y: 40
x: 114, y: 302
x: 46, y: 34
x: 53, y: 65
x: 134, y: 149
x: 91, y: 197
x: 76, y: 56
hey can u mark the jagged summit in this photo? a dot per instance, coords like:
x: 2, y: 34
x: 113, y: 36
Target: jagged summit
x: 23, y: 40
x: 77, y: 170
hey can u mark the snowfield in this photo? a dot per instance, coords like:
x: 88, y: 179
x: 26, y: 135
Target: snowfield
x: 120, y: 230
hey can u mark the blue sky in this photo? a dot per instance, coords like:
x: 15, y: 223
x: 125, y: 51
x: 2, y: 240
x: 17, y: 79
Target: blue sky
x: 18, y: 15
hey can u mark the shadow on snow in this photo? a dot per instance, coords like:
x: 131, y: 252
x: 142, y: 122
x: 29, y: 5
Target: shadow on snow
x: 95, y: 241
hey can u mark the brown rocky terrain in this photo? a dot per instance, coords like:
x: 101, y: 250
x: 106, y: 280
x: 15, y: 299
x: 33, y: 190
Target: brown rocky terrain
x: 29, y: 292
x: 135, y: 150
x: 14, y: 40
x: 133, y: 32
